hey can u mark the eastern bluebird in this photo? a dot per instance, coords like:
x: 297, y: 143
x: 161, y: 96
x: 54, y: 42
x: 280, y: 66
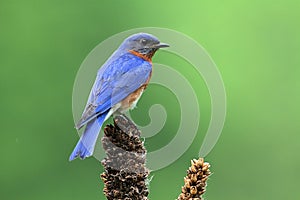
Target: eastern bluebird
x: 119, y: 84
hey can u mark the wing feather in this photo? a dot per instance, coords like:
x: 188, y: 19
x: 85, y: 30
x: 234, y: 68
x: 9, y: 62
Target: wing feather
x: 122, y: 77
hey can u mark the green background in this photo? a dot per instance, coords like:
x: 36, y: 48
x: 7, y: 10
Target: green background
x: 255, y: 45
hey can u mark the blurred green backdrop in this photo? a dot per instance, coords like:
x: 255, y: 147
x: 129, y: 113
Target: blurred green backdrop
x: 255, y: 44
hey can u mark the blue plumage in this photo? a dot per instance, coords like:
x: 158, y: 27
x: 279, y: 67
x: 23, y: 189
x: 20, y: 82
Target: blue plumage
x: 128, y: 78
x: 86, y: 144
x: 125, y: 72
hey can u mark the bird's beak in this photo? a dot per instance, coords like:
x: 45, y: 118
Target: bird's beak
x: 161, y: 45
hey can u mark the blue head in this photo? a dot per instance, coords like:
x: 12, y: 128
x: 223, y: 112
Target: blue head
x: 143, y: 44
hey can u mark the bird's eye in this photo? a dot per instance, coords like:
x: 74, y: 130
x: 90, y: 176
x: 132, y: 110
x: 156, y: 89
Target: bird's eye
x: 143, y: 41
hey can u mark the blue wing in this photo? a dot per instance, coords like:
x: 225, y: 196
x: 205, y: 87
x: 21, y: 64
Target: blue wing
x: 120, y: 78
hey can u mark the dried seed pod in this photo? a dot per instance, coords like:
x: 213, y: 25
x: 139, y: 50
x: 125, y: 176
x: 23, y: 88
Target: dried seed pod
x: 125, y: 173
x: 195, y: 181
x: 193, y: 190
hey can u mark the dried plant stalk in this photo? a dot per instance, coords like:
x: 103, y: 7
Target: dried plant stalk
x: 195, y: 181
x: 125, y: 173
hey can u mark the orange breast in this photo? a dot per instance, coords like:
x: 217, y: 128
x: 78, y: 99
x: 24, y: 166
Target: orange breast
x: 145, y: 57
x: 131, y: 100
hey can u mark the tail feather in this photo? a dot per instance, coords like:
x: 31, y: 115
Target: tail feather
x: 86, y: 144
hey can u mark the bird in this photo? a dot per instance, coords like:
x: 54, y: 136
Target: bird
x: 118, y: 86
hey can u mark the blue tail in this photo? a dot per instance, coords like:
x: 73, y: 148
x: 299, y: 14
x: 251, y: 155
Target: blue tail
x: 86, y: 144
